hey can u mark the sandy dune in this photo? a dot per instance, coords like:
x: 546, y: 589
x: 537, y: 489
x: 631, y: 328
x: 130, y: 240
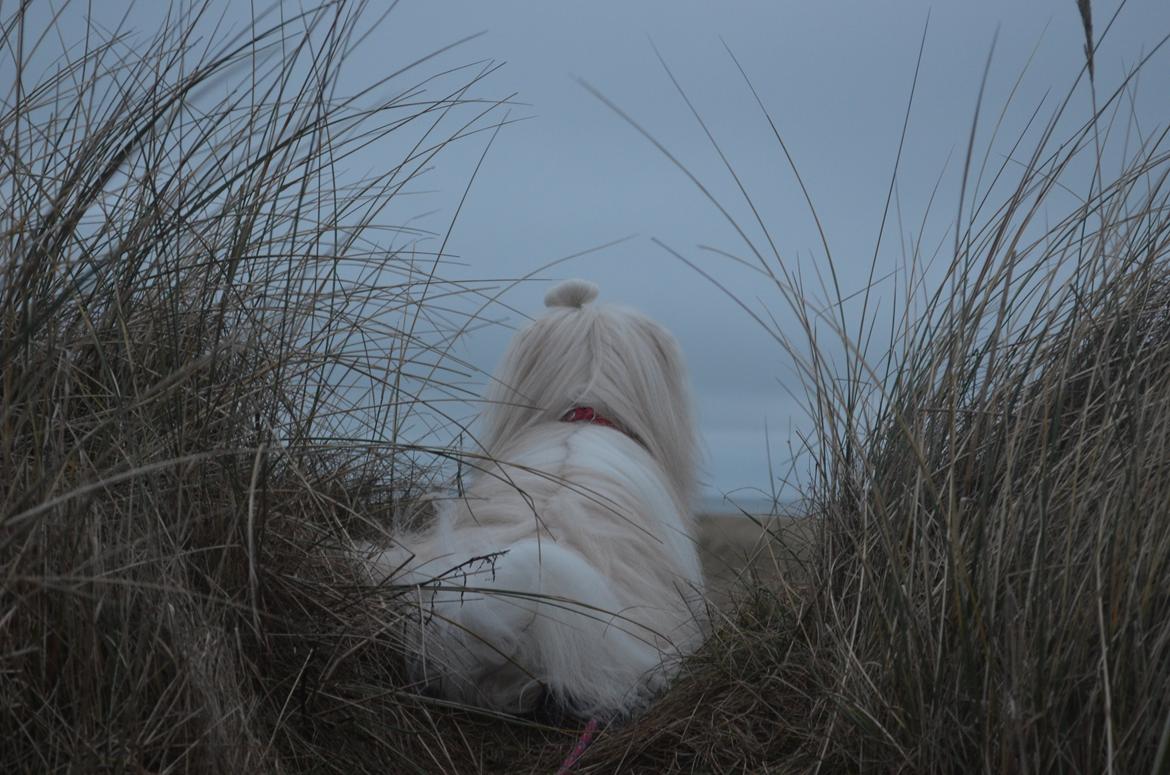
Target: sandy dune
x: 734, y: 548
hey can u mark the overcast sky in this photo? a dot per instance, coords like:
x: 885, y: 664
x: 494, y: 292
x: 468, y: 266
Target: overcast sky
x: 834, y: 75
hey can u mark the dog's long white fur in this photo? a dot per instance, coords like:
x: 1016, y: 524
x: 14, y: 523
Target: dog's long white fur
x: 567, y: 570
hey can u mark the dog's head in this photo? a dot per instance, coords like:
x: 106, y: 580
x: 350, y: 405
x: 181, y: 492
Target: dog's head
x: 610, y: 358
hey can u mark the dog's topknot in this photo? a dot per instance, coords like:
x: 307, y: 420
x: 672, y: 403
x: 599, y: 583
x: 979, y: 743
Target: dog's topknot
x: 571, y: 293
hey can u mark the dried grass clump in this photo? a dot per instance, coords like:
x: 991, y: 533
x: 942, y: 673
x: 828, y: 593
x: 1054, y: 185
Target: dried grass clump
x: 204, y: 347
x: 993, y: 589
x: 989, y: 587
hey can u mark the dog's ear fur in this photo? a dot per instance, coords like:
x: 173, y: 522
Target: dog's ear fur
x: 613, y: 359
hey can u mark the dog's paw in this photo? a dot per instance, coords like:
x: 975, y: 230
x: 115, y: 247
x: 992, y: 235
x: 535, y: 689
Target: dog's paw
x: 571, y: 293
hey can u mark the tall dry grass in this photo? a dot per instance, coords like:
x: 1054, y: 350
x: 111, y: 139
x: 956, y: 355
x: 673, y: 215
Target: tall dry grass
x: 207, y: 340
x: 992, y: 589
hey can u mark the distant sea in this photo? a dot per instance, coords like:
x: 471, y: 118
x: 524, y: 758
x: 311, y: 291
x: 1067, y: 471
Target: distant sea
x: 715, y: 504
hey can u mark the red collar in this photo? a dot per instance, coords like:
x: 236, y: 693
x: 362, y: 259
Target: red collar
x: 590, y: 415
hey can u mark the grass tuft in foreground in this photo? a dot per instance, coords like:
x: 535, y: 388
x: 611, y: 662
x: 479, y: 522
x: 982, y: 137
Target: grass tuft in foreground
x: 206, y: 343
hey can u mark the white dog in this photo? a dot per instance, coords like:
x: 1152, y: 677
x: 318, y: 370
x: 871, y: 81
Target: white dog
x: 567, y: 570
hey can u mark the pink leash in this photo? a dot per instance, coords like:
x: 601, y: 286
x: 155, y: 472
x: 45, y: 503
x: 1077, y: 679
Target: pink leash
x: 582, y: 743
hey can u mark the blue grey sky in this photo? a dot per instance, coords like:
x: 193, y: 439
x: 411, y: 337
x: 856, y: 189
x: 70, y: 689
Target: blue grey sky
x: 834, y: 75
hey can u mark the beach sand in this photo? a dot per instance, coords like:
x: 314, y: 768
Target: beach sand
x: 735, y: 550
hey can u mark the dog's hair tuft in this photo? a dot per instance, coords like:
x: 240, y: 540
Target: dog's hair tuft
x: 571, y: 293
